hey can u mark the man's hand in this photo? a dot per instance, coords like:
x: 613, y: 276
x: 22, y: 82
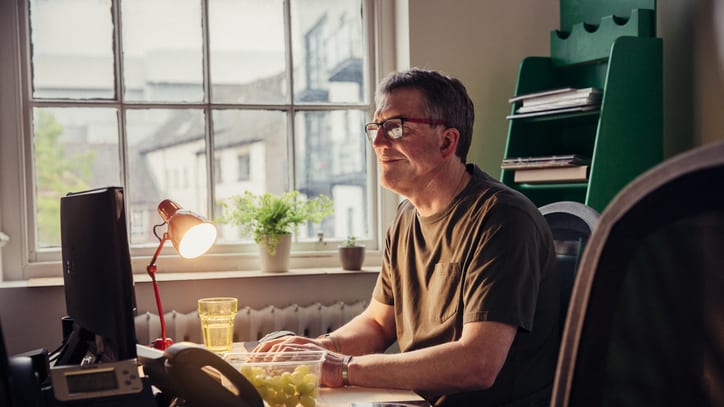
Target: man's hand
x: 286, y: 342
x: 331, y: 364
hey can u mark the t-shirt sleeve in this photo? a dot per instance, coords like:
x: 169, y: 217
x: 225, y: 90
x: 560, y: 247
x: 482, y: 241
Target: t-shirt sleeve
x: 383, y: 287
x: 502, y: 280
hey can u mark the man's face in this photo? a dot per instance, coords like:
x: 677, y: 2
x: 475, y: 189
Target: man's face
x: 407, y: 163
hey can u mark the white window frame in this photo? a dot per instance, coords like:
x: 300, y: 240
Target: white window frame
x: 18, y: 262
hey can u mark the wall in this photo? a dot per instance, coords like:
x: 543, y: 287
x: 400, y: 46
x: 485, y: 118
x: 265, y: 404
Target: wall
x: 482, y: 43
x: 31, y: 315
x: 707, y: 35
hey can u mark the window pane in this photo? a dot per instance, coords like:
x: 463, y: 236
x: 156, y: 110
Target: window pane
x: 330, y: 154
x: 167, y: 159
x: 75, y: 149
x: 246, y: 40
x: 328, y: 51
x: 72, y: 49
x: 162, y: 52
x: 261, y: 136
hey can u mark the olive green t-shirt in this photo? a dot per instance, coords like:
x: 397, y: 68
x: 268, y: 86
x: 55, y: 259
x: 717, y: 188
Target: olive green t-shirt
x: 488, y: 257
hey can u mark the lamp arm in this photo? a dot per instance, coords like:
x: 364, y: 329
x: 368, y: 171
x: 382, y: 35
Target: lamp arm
x: 151, y: 268
x: 163, y: 342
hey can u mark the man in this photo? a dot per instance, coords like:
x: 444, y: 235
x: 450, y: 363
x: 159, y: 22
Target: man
x: 468, y: 286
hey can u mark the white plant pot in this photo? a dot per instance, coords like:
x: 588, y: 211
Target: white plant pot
x: 279, y: 261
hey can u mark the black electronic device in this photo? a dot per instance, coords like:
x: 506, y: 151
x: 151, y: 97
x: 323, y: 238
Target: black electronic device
x: 99, y: 292
x: 100, y: 380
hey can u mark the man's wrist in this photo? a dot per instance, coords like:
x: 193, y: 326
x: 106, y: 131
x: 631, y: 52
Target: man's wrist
x: 333, y: 340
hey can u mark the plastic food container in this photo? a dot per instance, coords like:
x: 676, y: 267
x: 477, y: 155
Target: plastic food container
x: 282, y: 378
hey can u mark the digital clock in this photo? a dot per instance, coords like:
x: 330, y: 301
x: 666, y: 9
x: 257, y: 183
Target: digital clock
x: 95, y: 381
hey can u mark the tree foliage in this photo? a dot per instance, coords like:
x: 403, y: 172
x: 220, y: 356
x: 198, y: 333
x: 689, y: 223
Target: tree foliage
x: 56, y: 174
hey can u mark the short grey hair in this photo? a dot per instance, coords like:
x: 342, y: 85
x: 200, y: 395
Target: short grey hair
x: 446, y: 99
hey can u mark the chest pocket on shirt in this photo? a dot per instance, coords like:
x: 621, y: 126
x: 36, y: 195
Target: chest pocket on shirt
x: 445, y: 289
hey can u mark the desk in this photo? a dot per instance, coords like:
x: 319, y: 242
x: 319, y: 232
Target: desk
x: 343, y: 397
x: 338, y: 397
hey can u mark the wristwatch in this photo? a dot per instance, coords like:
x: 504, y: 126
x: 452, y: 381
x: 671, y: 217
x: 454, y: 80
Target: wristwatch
x: 345, y: 370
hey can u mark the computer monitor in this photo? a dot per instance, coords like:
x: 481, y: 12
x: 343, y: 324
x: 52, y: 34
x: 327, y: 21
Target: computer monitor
x: 99, y: 291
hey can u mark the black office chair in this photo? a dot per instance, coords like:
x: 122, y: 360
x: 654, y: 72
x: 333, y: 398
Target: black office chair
x: 646, y: 320
x: 571, y: 224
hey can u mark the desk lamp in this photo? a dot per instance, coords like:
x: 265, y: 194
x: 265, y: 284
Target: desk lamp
x: 191, y: 236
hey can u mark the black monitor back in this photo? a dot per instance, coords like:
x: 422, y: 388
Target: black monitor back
x: 98, y: 278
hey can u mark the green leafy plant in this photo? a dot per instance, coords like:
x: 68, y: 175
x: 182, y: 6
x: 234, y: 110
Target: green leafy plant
x: 351, y: 255
x: 268, y: 216
x: 351, y: 241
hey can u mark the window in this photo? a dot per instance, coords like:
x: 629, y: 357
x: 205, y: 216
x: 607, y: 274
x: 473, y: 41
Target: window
x: 242, y: 167
x: 231, y: 95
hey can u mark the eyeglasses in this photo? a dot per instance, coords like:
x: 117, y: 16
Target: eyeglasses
x: 393, y: 128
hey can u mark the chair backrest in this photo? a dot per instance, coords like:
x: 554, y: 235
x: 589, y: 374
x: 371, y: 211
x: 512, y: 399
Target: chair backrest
x: 646, y: 319
x: 571, y: 224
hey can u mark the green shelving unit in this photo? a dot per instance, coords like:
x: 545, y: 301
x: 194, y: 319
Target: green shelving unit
x: 618, y: 53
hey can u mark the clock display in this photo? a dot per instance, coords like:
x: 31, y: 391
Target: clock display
x: 97, y: 380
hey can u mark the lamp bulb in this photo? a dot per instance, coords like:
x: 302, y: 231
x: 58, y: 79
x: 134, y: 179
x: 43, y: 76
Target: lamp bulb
x: 197, y: 240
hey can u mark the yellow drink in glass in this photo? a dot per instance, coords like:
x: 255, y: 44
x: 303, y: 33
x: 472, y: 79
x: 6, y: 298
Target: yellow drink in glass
x: 217, y: 322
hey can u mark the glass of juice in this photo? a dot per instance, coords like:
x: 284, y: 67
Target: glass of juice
x: 217, y: 322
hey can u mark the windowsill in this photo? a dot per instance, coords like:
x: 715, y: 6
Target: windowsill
x: 215, y: 266
x: 210, y: 275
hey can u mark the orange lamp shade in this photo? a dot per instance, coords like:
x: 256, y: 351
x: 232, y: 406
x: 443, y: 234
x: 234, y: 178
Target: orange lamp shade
x: 190, y: 233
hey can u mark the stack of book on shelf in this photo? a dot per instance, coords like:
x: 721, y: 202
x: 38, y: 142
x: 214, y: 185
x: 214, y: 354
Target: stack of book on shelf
x: 556, y: 168
x: 555, y: 101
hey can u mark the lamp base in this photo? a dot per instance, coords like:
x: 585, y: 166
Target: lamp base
x: 162, y: 343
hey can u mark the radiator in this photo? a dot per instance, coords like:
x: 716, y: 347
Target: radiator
x: 251, y: 324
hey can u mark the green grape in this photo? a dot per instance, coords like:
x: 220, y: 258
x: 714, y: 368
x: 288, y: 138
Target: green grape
x: 289, y: 389
x: 246, y: 371
x: 280, y: 398
x: 271, y: 396
x: 258, y: 380
x: 291, y: 401
x: 297, y: 377
x: 263, y: 392
x: 307, y: 401
x: 304, y: 369
x: 276, y: 381
x: 307, y: 388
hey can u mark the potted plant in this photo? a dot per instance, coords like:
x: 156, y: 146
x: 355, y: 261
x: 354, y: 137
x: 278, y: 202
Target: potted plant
x: 351, y: 255
x: 270, y: 220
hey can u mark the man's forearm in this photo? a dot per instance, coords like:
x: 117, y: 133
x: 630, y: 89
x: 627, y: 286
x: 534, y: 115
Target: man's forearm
x: 360, y: 336
x: 436, y: 370
x: 470, y: 363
